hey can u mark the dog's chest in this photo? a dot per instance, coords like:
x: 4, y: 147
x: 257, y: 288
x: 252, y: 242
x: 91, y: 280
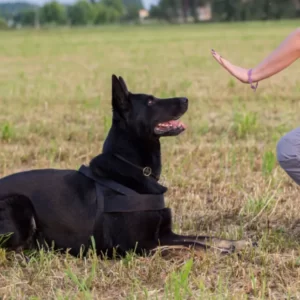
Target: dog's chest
x: 122, y: 199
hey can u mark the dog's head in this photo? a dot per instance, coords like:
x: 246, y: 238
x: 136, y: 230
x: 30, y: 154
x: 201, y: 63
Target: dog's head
x: 146, y: 115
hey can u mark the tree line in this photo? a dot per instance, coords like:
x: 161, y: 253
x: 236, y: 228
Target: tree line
x: 226, y: 10
x: 84, y: 12
x: 81, y: 13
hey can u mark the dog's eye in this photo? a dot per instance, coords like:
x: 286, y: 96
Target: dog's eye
x: 150, y: 101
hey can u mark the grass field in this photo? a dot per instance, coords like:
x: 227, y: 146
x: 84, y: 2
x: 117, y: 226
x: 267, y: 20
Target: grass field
x: 222, y: 174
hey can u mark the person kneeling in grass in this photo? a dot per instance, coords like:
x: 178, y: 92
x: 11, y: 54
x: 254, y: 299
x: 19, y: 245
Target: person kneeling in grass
x: 288, y: 147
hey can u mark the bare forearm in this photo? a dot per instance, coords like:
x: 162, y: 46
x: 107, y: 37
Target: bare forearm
x: 287, y: 52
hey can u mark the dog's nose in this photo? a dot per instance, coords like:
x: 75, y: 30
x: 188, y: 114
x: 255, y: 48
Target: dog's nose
x: 184, y: 100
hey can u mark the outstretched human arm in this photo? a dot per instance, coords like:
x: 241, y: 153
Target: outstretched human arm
x: 283, y: 56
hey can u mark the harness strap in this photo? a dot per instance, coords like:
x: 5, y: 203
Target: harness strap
x: 128, y: 200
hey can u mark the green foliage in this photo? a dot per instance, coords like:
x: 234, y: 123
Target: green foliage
x: 81, y: 13
x: 155, y: 12
x: 178, y: 283
x: 85, y: 12
x: 4, y: 238
x: 228, y: 10
x: 7, y: 131
x: 53, y: 12
x: 115, y: 4
x: 238, y: 10
x: 133, y: 3
x: 28, y: 17
x: 168, y: 10
x: 106, y: 14
x: 244, y: 124
x: 269, y: 162
x: 132, y: 13
x: 3, y: 24
x: 9, y: 9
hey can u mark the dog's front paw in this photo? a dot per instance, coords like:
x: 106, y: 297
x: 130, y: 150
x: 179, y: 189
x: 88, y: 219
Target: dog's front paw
x: 229, y: 247
x: 243, y: 244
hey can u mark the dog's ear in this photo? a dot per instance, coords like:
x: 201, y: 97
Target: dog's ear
x: 122, y: 81
x: 120, y: 96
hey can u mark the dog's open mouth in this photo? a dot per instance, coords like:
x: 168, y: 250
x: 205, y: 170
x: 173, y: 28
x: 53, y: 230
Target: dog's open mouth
x: 173, y: 127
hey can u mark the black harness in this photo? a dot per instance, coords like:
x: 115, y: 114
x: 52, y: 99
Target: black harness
x: 127, y: 200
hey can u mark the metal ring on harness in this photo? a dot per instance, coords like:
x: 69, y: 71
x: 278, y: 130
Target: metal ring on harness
x: 147, y: 171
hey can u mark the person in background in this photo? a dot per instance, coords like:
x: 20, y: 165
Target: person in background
x: 288, y: 147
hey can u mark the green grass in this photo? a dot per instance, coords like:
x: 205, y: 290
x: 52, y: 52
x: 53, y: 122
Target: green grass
x: 222, y: 174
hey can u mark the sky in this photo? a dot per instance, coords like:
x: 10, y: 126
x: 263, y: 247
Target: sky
x: 147, y: 3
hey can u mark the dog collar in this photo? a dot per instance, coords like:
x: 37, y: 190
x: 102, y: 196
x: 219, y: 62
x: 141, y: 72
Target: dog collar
x: 147, y: 171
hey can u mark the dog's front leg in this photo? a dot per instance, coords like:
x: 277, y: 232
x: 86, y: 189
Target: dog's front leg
x: 204, y: 243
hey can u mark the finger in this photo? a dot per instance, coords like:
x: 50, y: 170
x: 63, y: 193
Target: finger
x: 216, y: 56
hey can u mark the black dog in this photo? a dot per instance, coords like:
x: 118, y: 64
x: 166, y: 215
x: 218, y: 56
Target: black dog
x: 117, y: 200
